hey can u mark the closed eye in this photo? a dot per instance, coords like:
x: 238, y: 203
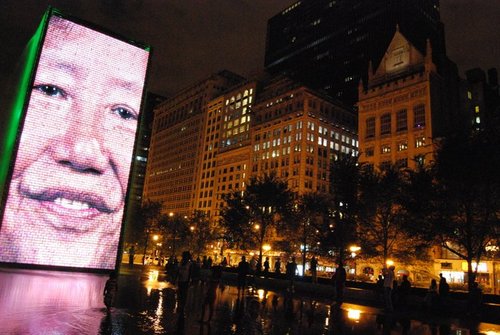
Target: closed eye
x: 125, y: 113
x: 51, y: 90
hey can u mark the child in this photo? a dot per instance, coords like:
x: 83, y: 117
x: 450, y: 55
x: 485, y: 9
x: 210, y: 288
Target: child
x: 110, y: 290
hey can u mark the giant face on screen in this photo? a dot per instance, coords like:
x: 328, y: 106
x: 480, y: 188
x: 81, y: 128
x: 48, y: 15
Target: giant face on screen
x: 67, y: 192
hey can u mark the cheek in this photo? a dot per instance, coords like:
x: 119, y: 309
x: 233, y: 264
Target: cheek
x: 37, y: 131
x: 120, y: 145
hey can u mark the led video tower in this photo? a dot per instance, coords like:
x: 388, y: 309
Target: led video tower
x: 70, y: 141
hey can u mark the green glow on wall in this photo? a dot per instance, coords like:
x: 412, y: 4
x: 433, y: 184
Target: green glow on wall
x: 16, y: 110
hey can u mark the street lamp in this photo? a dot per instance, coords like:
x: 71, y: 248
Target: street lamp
x: 354, y: 249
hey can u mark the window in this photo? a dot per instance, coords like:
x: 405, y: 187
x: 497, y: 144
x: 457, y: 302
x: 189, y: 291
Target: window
x: 369, y: 152
x: 385, y: 148
x: 385, y: 165
x: 385, y: 124
x: 420, y: 160
x: 403, y: 146
x: 402, y: 163
x: 419, y: 116
x: 370, y: 127
x: 401, y: 120
x: 419, y: 142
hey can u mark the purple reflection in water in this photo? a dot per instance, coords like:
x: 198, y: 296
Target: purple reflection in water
x: 50, y: 302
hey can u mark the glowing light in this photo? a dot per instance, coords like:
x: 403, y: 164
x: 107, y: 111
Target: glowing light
x: 153, y: 275
x: 262, y: 294
x: 354, y: 314
x: 354, y: 248
x: 155, y: 237
x: 389, y: 262
x: 266, y: 247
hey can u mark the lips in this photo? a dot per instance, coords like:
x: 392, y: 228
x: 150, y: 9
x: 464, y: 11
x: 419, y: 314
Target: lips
x: 69, y: 199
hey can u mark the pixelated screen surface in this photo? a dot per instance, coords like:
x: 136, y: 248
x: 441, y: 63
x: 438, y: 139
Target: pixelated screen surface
x: 67, y: 192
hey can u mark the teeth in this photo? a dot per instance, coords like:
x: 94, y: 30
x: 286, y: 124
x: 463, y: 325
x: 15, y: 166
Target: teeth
x: 71, y: 204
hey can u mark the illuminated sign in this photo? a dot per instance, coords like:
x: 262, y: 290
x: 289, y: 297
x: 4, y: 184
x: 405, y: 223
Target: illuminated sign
x: 66, y: 198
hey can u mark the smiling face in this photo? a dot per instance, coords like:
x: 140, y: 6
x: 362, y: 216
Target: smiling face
x: 67, y: 192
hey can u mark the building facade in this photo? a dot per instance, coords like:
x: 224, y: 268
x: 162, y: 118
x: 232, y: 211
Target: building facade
x: 327, y: 44
x: 402, y: 110
x: 177, y: 140
x: 298, y: 133
x: 481, y: 99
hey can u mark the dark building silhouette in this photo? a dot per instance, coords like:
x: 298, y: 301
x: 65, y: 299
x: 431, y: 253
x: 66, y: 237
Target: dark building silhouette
x: 480, y: 98
x: 328, y: 44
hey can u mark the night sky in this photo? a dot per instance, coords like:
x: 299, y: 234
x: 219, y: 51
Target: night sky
x: 194, y: 38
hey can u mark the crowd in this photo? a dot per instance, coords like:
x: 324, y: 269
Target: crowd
x: 393, y: 292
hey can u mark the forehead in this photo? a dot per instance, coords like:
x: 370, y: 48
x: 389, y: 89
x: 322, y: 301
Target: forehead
x: 79, y: 46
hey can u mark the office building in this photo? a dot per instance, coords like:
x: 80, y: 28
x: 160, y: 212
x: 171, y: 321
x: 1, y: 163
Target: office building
x: 176, y: 150
x: 327, y: 44
x: 402, y: 110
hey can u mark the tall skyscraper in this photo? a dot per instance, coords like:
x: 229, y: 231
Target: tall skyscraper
x: 328, y: 44
x: 177, y: 140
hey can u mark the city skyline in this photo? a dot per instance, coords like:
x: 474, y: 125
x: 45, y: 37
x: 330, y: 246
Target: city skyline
x: 199, y: 39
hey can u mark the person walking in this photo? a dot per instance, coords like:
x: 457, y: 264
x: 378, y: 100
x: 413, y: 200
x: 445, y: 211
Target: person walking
x: 432, y: 296
x: 131, y: 255
x: 443, y: 290
x: 110, y: 289
x: 339, y: 279
x: 388, y: 286
x: 291, y: 269
x: 277, y: 266
x: 243, y: 270
x: 404, y: 292
x: 211, y: 293
x: 314, y: 265
x: 184, y: 278
x: 266, y: 267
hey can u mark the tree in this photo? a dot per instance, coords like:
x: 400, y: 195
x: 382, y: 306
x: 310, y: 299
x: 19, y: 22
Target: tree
x: 265, y: 204
x: 458, y: 199
x: 344, y: 183
x: 235, y: 220
x: 382, y: 220
x: 150, y: 214
x: 174, y: 227
x: 201, y: 232
x: 311, y: 209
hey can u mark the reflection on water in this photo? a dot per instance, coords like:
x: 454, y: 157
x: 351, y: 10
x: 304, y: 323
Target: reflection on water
x: 38, y: 302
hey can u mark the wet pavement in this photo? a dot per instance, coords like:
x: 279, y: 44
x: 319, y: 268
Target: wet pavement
x: 42, y: 302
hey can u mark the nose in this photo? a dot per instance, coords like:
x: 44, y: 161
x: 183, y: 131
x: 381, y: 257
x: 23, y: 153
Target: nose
x: 81, y: 146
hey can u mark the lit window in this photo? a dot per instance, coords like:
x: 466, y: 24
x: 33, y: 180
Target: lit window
x: 420, y: 160
x: 403, y: 145
x: 476, y: 109
x: 419, y: 142
x: 385, y: 148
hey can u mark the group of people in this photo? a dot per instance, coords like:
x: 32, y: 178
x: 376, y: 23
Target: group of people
x: 392, y: 292
x: 437, y: 294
